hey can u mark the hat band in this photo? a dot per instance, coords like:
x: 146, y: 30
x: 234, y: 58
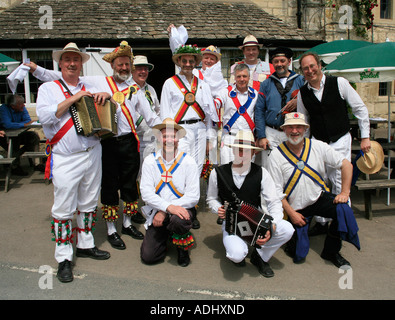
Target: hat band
x: 250, y: 42
x: 244, y: 142
x: 72, y: 49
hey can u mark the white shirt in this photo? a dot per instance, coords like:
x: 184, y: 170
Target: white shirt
x: 213, y: 77
x: 172, y: 99
x: 48, y: 98
x: 185, y: 179
x: 268, y: 192
x: 230, y: 108
x: 306, y: 192
x: 138, y: 102
x: 347, y: 93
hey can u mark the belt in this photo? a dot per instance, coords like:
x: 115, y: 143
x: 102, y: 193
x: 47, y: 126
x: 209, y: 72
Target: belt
x: 274, y: 127
x: 190, y: 121
x: 123, y: 137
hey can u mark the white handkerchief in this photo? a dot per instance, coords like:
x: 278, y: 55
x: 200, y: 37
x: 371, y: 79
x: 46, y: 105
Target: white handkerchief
x: 17, y: 76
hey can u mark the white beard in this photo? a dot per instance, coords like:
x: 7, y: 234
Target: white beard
x: 295, y: 141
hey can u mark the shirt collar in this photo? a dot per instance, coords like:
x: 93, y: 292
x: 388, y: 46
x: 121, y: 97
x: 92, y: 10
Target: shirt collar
x: 322, y: 83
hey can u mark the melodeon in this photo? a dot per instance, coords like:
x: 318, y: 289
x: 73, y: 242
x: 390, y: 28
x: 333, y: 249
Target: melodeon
x: 246, y: 221
x: 91, y: 118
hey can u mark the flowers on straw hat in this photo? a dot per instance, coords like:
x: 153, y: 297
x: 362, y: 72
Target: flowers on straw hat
x: 294, y: 119
x: 250, y: 41
x: 143, y: 61
x: 70, y: 47
x: 372, y: 161
x: 191, y: 50
x: 171, y: 124
x: 244, y: 139
x: 212, y: 50
x: 124, y: 50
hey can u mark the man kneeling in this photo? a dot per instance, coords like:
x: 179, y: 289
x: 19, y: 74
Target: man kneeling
x: 170, y: 188
x: 249, y: 182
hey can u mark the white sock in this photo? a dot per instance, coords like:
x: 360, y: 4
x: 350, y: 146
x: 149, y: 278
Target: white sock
x: 111, y: 228
x: 127, y: 220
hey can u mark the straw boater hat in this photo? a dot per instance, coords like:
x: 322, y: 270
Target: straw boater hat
x: 294, y: 119
x: 250, y: 41
x: 169, y: 123
x: 244, y: 139
x: 212, y: 50
x: 143, y: 61
x: 70, y: 47
x: 372, y: 161
x: 124, y: 50
x: 187, y: 50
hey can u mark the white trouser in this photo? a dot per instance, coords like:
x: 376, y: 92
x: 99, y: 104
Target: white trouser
x: 237, y: 249
x: 194, y: 142
x: 76, y: 180
x: 343, y: 146
x: 275, y: 138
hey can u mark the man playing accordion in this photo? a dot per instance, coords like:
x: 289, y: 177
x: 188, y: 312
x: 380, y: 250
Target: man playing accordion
x: 242, y: 180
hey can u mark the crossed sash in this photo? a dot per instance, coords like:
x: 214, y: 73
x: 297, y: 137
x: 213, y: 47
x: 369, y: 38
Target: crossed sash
x: 167, y: 175
x: 241, y: 109
x: 300, y: 167
x: 125, y: 110
x: 189, y: 99
x: 56, y: 138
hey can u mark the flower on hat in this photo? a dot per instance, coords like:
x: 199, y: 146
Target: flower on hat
x: 187, y: 48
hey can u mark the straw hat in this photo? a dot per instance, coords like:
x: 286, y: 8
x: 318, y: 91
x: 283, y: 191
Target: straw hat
x: 250, y: 41
x: 171, y: 124
x: 124, y: 50
x: 244, y: 139
x: 70, y: 47
x: 372, y: 161
x: 187, y: 50
x: 294, y: 119
x: 143, y: 61
x: 212, y: 50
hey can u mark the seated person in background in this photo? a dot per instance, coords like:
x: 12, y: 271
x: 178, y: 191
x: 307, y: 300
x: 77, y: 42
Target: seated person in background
x: 14, y: 115
x: 298, y: 167
x: 249, y: 182
x: 170, y: 188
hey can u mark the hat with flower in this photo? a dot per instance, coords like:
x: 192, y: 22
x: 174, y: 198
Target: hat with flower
x: 187, y: 49
x: 212, y: 50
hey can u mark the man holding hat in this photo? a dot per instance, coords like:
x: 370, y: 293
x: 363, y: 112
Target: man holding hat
x: 277, y: 95
x: 325, y: 101
x: 170, y: 188
x: 249, y: 182
x: 298, y: 170
x: 121, y: 159
x: 259, y: 70
x: 75, y: 160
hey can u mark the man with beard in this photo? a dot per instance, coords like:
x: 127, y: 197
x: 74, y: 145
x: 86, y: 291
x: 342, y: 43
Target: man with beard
x: 276, y: 93
x: 170, y: 188
x: 249, y: 182
x: 298, y: 170
x: 120, y: 159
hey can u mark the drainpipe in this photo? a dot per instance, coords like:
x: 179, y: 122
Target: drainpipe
x: 299, y: 13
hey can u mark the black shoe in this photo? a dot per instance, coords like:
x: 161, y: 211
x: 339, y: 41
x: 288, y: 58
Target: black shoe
x: 116, y: 241
x: 64, y: 271
x: 318, y: 229
x: 183, y: 257
x: 336, y: 259
x: 18, y: 171
x: 138, y: 218
x: 93, y: 253
x: 219, y: 221
x: 40, y: 167
x: 195, y: 224
x: 263, y: 267
x: 133, y: 232
x: 242, y: 263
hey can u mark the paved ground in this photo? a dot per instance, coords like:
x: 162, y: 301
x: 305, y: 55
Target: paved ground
x: 27, y: 250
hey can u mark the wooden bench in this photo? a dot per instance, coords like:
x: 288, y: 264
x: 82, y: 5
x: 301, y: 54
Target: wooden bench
x: 31, y: 154
x: 7, y: 162
x: 368, y: 186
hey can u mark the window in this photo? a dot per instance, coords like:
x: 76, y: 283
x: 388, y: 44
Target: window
x: 383, y: 89
x: 385, y: 9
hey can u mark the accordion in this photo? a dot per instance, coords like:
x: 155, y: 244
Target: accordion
x: 246, y: 221
x: 90, y: 118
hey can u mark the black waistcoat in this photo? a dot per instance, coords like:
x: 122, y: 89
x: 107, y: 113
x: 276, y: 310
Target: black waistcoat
x: 249, y: 192
x: 328, y: 118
